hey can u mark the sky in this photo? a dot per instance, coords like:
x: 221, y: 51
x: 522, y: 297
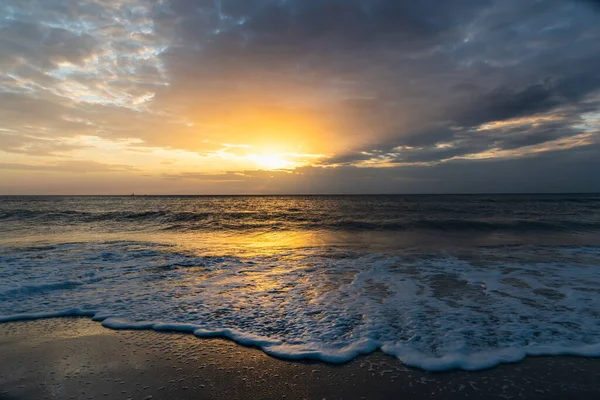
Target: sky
x: 299, y: 96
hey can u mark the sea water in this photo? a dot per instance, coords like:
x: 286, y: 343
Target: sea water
x: 440, y: 282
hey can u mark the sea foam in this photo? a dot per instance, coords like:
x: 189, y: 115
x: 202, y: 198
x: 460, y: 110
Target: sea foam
x: 432, y: 311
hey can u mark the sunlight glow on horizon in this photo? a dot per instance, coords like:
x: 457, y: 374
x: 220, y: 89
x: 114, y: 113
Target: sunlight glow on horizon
x: 272, y: 161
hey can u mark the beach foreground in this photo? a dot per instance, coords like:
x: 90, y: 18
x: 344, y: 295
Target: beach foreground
x: 75, y: 358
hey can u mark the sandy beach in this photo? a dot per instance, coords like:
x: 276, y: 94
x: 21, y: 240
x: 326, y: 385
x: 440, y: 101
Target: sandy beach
x: 75, y: 358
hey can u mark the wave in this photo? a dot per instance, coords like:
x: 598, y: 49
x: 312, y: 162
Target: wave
x: 192, y: 221
x: 432, y: 311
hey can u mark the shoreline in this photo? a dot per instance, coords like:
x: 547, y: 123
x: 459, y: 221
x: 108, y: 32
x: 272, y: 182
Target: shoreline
x: 71, y: 357
x: 472, y: 363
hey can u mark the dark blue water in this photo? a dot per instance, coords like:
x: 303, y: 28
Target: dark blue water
x: 569, y: 215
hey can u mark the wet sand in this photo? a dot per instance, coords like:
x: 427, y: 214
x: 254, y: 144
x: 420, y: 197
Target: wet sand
x: 75, y: 358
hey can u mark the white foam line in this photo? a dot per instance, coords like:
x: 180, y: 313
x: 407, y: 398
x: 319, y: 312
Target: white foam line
x: 467, y: 362
x: 343, y: 355
x: 277, y: 348
x: 246, y: 339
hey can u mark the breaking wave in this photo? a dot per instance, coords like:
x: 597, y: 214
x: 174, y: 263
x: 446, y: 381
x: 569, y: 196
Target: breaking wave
x: 431, y: 310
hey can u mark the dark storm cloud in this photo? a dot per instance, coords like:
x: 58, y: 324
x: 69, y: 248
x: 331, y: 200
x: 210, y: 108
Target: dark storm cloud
x: 440, y: 146
x: 506, y: 102
x: 308, y: 39
x: 532, y: 135
x: 593, y: 3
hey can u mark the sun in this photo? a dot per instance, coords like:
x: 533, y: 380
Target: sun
x: 271, y: 161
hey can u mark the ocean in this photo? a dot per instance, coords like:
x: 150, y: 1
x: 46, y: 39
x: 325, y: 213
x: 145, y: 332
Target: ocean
x: 439, y: 281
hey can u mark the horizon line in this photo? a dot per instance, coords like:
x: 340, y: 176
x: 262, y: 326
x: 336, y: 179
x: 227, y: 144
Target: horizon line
x: 306, y: 194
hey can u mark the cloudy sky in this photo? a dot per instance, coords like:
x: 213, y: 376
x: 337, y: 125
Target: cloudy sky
x: 299, y: 96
